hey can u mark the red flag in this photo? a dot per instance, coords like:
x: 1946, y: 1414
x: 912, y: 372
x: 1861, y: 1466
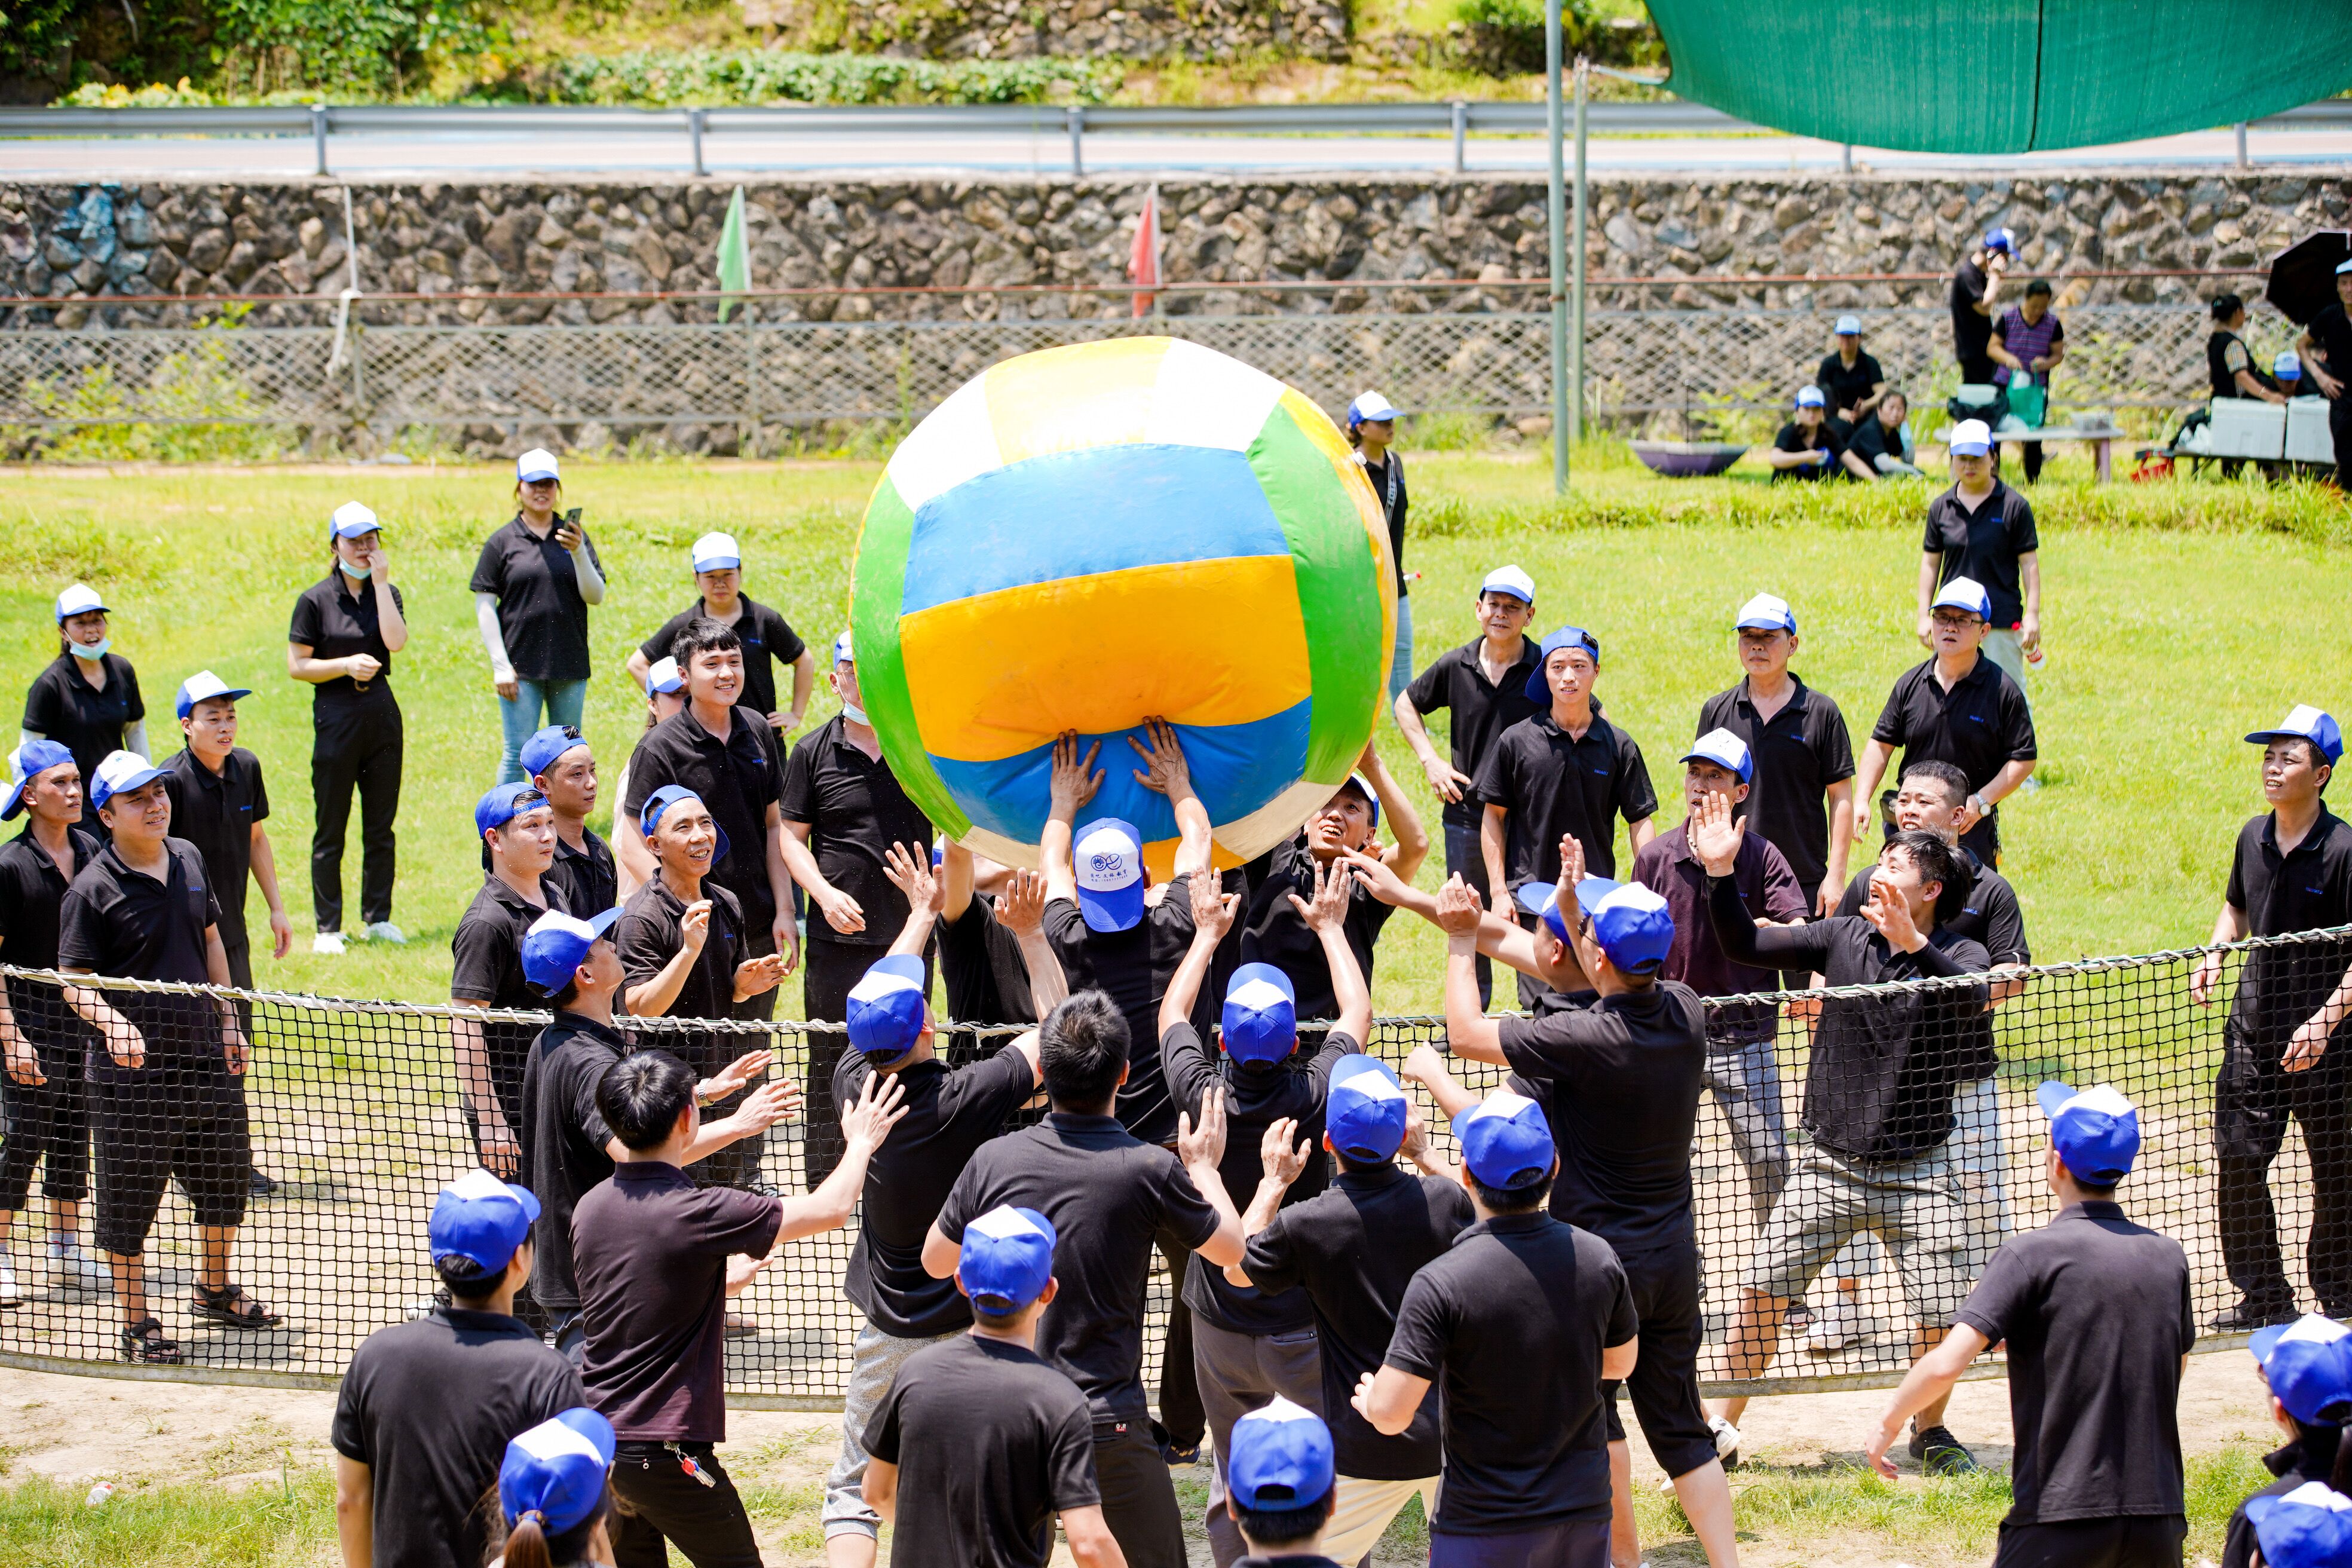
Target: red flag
x: 1144, y: 260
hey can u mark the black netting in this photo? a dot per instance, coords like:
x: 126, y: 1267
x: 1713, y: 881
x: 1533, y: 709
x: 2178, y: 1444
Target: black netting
x: 354, y: 1111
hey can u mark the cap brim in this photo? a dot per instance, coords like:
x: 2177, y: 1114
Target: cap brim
x: 136, y: 781
x: 1507, y: 591
x: 1116, y: 911
x: 2050, y: 1096
x: 16, y: 800
x: 602, y: 921
x: 2265, y: 1340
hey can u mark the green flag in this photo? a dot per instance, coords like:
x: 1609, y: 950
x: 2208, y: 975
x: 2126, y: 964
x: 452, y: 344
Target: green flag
x: 734, y: 256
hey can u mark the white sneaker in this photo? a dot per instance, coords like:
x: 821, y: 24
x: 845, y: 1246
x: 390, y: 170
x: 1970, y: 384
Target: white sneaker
x: 1726, y: 1441
x: 10, y: 1296
x: 69, y: 1262
x: 1835, y: 1326
x: 385, y: 931
x: 328, y: 941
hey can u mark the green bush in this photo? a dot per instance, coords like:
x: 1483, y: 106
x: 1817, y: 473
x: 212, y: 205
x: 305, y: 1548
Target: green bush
x: 370, y: 46
x: 662, y: 78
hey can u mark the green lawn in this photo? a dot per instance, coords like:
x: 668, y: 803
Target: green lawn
x: 2179, y: 617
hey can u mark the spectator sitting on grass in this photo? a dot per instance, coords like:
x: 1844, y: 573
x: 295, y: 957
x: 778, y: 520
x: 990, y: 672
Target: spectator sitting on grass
x: 1806, y: 449
x: 1881, y: 446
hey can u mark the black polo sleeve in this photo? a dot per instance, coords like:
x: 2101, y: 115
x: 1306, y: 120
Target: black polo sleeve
x: 1762, y: 947
x: 656, y: 647
x: 1431, y: 691
x: 260, y: 790
x: 2001, y: 1298
x: 2016, y: 724
x: 1185, y: 1064
x: 81, y: 931
x: 137, y: 705
x: 1183, y: 1210
x: 796, y: 798
x: 1424, y: 1328
x: 2250, y: 841
x: 2022, y: 536
x: 1499, y: 774
x: 1890, y: 730
x: 308, y: 626
x: 2005, y: 926
x: 482, y: 955
x: 1070, y: 1461
x: 41, y: 707
x: 1270, y: 1260
x: 489, y: 567
x: 785, y: 645
x: 1835, y: 746
x: 1636, y: 799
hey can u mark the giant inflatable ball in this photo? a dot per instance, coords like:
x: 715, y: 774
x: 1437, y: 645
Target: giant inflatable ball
x: 1088, y: 537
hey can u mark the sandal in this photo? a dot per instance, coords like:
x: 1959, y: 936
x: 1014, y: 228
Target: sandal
x: 144, y: 1341
x: 232, y: 1306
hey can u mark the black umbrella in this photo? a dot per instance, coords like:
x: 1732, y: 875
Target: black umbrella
x: 2303, y: 276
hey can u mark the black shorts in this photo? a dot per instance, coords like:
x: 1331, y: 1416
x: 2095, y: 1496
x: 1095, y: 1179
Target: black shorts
x: 189, y: 1130
x: 46, y: 1127
x: 2146, y: 1541
x: 1664, y: 1384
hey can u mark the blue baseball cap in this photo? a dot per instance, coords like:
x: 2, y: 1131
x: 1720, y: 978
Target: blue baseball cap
x: 501, y: 803
x: 1281, y: 1458
x: 662, y: 676
x: 715, y: 552
x: 662, y: 799
x: 80, y: 600
x: 1634, y: 926
x: 1505, y: 1141
x: 1108, y: 860
x: 1370, y: 406
x: 27, y: 763
x: 119, y: 773
x: 1509, y: 580
x: 1365, y: 1110
x: 2306, y: 723
x: 2096, y: 1131
x: 1542, y: 900
x: 2288, y: 366
x: 1965, y: 594
x: 1006, y: 1261
x: 885, y: 1014
x: 1538, y: 690
x: 1766, y: 612
x: 1810, y: 397
x: 540, y: 751
x: 1363, y: 786
x: 2001, y: 239
x: 1724, y: 749
x: 555, y: 1472
x: 2308, y: 1365
x: 203, y: 686
x: 1971, y: 438
x: 481, y: 1219
x: 557, y: 944
x: 2310, y: 1527
x: 1261, y: 1016
x: 352, y: 521
x: 1847, y: 327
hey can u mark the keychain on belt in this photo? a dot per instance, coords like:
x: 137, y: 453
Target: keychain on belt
x: 685, y: 1462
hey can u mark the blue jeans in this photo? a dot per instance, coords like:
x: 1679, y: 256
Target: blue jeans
x: 562, y: 699
x: 1401, y: 661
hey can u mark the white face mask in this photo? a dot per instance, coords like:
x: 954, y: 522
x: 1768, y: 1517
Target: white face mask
x: 91, y: 651
x: 852, y: 712
x: 357, y: 573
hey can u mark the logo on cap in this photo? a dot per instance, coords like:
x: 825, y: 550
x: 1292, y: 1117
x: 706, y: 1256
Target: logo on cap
x: 120, y: 773
x: 1766, y: 612
x: 1108, y: 861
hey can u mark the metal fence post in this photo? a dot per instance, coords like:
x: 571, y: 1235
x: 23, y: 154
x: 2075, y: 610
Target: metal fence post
x: 1461, y: 135
x: 1576, y: 293
x: 1076, y: 114
x: 1556, y: 216
x: 694, y: 135
x: 318, y: 137
x: 2244, y: 163
x: 751, y: 382
x: 1845, y: 157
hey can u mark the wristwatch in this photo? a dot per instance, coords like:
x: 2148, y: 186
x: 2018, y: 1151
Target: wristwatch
x: 1979, y: 805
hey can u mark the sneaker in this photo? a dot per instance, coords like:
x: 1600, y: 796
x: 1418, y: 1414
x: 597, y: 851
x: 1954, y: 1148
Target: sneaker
x: 1835, y: 1326
x: 1176, y: 1458
x: 10, y: 1296
x: 385, y: 931
x: 2250, y: 1314
x: 1726, y: 1441
x: 70, y: 1264
x: 1942, y: 1453
x: 328, y: 941
x: 1799, y: 1316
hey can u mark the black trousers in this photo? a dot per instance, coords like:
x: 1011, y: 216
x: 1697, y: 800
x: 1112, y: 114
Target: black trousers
x: 1664, y: 1384
x: 1139, y: 1501
x: 354, y: 746
x: 660, y: 1502
x: 2147, y: 1540
x: 2253, y: 1097
x: 1180, y: 1415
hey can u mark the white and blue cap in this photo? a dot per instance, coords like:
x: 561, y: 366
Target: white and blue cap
x: 1261, y: 1016
x: 352, y: 520
x: 1542, y: 900
x: 662, y: 799
x: 481, y: 1219
x: 1006, y: 1261
x: 2308, y: 1365
x: 1370, y: 406
x: 2001, y: 239
x: 1511, y: 580
x: 1281, y: 1458
x: 1539, y: 688
x: 1848, y: 326
x: 80, y: 600
x: 844, y: 650
x: 501, y: 803
x: 557, y: 944
x: 885, y: 1012
x: 203, y: 686
x: 662, y: 676
x: 1634, y: 926
x: 1726, y: 751
x: 554, y: 1474
x: 716, y: 551
x: 2288, y: 366
x: 1363, y: 786
x: 539, y: 463
x: 119, y: 773
x: 1965, y: 594
x: 1365, y: 1110
x: 2310, y: 1527
x: 1108, y: 860
x: 1766, y: 612
x: 547, y: 746
x: 27, y: 763
x: 1971, y: 438
x: 1505, y: 1141
x: 2096, y: 1132
x: 1810, y: 397
x: 2342, y: 268
x: 2306, y: 723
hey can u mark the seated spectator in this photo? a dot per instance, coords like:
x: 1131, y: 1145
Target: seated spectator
x: 2027, y: 344
x: 1881, y: 447
x: 2287, y: 371
x: 1850, y: 380
x: 2229, y: 365
x: 1806, y: 449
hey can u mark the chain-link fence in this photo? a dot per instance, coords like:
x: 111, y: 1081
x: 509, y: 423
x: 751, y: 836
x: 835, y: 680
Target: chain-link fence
x: 353, y: 1109
x: 1672, y: 371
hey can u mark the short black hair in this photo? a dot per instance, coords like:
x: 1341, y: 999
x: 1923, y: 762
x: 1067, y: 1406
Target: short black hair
x: 2039, y: 286
x: 1891, y: 394
x: 467, y: 1280
x: 1937, y: 861
x: 1082, y: 1048
x: 642, y: 1096
x: 1943, y: 772
x: 1284, y: 1526
x: 2317, y: 758
x: 2227, y: 305
x: 701, y: 635
x: 1511, y: 1200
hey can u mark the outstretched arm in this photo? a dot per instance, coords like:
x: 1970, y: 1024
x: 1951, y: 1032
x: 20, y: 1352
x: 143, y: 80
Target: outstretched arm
x: 1073, y: 783
x: 1164, y: 771
x: 1469, y: 1032
x: 1021, y: 909
x: 1213, y: 913
x: 909, y: 870
x: 1412, y: 846
x: 1326, y: 915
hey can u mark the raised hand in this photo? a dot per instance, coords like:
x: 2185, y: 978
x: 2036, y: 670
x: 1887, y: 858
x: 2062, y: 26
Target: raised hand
x: 758, y: 976
x: 910, y: 872
x: 1329, y: 907
x: 1886, y: 910
x: 1074, y: 780
x: 880, y: 1103
x: 1021, y: 906
x: 1164, y: 770
x: 1714, y: 835
x: 768, y: 1104
x: 1203, y: 1144
x: 694, y: 925
x: 734, y: 1075
x: 1277, y: 1158
x: 1458, y: 908
x: 1375, y: 876
x: 1214, y: 911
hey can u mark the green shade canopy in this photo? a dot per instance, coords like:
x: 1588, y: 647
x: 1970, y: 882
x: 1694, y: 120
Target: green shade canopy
x: 2004, y: 76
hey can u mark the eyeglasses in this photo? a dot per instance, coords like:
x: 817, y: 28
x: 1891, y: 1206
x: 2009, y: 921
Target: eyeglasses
x: 1958, y: 623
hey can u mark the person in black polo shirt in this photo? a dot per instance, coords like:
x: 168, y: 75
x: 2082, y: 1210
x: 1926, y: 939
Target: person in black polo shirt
x: 88, y: 699
x: 1960, y: 708
x: 1808, y: 446
x: 345, y: 629
x: 486, y: 969
x: 993, y: 941
x: 1107, y: 1196
x: 840, y: 808
x: 2306, y: 1373
x: 1879, y: 1087
x: 1520, y: 1322
x: 42, y: 1040
x: 585, y: 880
x: 1372, y: 431
x: 1880, y: 447
x: 2095, y: 1312
x: 532, y: 587
x: 1849, y: 378
x: 1566, y: 770
x: 2329, y: 337
x: 980, y: 1444
x: 665, y: 699
x: 949, y: 1113
x: 767, y: 638
x: 167, y: 1101
x: 1982, y: 529
x: 1976, y: 289
x: 1249, y: 1346
x: 2284, y: 1051
x: 656, y: 1256
x: 1285, y: 1486
x: 412, y: 1462
x: 567, y: 1148
x: 1483, y: 687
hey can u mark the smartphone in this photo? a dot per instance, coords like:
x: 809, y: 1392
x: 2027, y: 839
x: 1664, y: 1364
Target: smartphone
x: 572, y: 522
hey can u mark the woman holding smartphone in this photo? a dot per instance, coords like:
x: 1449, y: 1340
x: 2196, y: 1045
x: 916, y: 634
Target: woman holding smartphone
x: 532, y: 588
